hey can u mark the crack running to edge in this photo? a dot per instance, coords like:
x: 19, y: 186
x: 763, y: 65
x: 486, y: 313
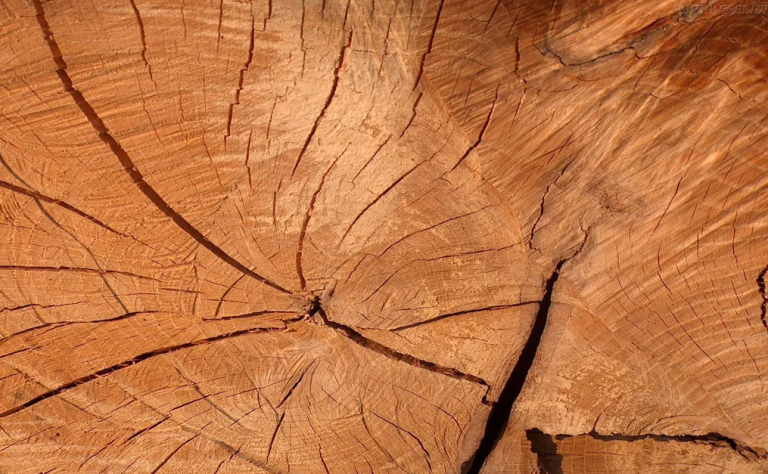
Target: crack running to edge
x: 429, y: 45
x: 243, y: 71
x: 139, y: 358
x: 36, y: 195
x: 125, y: 160
x: 143, y: 36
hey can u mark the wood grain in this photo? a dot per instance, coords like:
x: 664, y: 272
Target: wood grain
x: 331, y: 236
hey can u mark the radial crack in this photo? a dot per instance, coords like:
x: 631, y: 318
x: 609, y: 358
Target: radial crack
x: 75, y: 270
x: 482, y: 131
x: 62, y: 204
x: 501, y: 410
x: 172, y: 454
x: 305, y: 224
x: 381, y: 349
x: 59, y: 324
x: 377, y: 199
x: 541, y: 204
x: 135, y: 360
x: 429, y: 45
x: 334, y: 86
x: 143, y: 39
x: 462, y: 313
x: 243, y: 70
x: 125, y: 160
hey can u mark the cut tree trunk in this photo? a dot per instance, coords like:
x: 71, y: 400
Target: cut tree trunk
x: 331, y: 236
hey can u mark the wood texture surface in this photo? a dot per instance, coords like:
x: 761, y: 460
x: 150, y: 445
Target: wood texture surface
x: 383, y: 236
